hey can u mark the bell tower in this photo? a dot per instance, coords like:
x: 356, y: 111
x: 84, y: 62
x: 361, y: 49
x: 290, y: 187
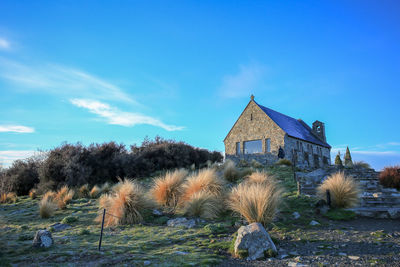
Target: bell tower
x: 319, y: 130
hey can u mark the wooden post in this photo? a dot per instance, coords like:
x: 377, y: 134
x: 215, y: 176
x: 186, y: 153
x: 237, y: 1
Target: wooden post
x: 102, y: 226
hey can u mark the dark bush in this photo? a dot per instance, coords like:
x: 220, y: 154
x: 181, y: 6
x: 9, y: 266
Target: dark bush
x: 390, y: 177
x: 21, y: 176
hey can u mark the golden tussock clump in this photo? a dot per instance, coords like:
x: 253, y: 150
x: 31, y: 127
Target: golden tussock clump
x: 260, y: 177
x: 202, y: 204
x: 167, y: 189
x: 344, y: 190
x: 230, y: 173
x: 256, y: 201
x: 105, y: 188
x: 63, y: 196
x: 33, y: 193
x: 95, y: 192
x: 126, y: 204
x: 46, y: 208
x: 10, y: 197
x: 84, y: 191
x: 205, y: 180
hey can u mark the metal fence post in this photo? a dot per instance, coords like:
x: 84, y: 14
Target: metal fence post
x: 102, y: 226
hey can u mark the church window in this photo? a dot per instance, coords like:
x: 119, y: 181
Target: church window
x: 238, y: 148
x: 251, y: 116
x: 252, y: 147
x: 268, y: 145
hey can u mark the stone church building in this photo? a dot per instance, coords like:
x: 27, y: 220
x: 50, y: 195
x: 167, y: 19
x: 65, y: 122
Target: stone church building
x: 259, y: 132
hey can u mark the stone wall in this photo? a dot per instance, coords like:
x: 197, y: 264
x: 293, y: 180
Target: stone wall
x: 254, y: 124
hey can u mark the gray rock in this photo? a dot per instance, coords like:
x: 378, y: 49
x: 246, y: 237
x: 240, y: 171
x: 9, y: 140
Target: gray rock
x: 145, y: 263
x: 181, y: 222
x: 314, y: 177
x: 255, y: 239
x: 181, y: 252
x: 283, y: 256
x: 296, y: 264
x: 60, y: 226
x: 354, y: 258
x: 296, y: 215
x: 43, y: 239
x: 314, y: 223
x: 157, y: 212
x: 342, y: 254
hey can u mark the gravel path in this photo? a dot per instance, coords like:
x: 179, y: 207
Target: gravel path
x: 361, y: 242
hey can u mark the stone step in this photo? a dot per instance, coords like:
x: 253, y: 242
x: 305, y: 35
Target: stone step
x: 378, y: 212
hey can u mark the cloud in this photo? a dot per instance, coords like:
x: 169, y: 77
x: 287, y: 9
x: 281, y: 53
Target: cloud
x: 60, y: 80
x: 4, y: 44
x: 16, y: 129
x: 118, y: 117
x: 242, y: 83
x: 8, y: 156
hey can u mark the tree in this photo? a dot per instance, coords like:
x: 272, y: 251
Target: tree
x: 338, y: 161
x: 347, y: 158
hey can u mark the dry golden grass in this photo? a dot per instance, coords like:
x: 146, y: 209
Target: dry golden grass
x: 260, y: 177
x: 49, y: 196
x: 205, y: 180
x: 256, y: 201
x: 8, y: 197
x: 105, y: 188
x: 84, y: 191
x: 167, y: 189
x: 46, y: 208
x: 32, y: 193
x: 63, y: 196
x: 126, y: 204
x: 344, y: 190
x: 202, y: 204
x: 231, y: 173
x: 95, y: 192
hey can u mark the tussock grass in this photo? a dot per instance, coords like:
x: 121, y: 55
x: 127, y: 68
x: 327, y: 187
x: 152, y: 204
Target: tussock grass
x: 344, y: 190
x: 84, y: 191
x: 256, y: 201
x: 106, y: 188
x: 167, y: 189
x: 63, y: 196
x: 47, y: 207
x: 284, y: 162
x: 260, y: 178
x: 126, y: 203
x: 202, y: 204
x: 231, y: 173
x: 95, y: 192
x: 49, y: 196
x: 10, y: 197
x: 204, y: 180
x: 33, y: 193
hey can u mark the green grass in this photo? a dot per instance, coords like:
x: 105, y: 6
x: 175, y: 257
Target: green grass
x: 340, y: 215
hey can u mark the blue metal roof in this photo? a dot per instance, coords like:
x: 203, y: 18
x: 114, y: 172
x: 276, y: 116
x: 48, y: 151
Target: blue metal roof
x: 293, y: 127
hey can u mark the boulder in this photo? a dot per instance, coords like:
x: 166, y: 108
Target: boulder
x: 181, y: 222
x: 255, y: 241
x: 296, y: 215
x: 60, y: 227
x: 43, y: 239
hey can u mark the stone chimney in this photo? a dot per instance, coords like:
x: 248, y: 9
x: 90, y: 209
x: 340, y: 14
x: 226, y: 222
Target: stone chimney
x: 319, y: 130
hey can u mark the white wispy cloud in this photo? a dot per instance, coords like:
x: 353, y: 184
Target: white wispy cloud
x: 16, y: 129
x: 244, y: 82
x: 4, y: 44
x: 8, y: 156
x: 61, y: 80
x: 117, y: 117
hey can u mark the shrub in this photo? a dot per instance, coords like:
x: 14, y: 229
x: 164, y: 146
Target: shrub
x: 10, y: 197
x: 95, y: 192
x: 230, y: 172
x: 33, y: 193
x: 204, y: 180
x: 390, y: 177
x: 125, y: 205
x: 243, y: 163
x: 84, y: 191
x: 246, y: 172
x: 166, y: 189
x: 344, y: 190
x: 69, y: 219
x: 202, y: 204
x: 260, y: 177
x: 361, y: 165
x: 285, y: 162
x: 256, y: 202
x: 47, y: 208
x: 338, y: 161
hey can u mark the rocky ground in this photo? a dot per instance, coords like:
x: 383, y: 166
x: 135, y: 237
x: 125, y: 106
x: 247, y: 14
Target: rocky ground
x: 359, y: 242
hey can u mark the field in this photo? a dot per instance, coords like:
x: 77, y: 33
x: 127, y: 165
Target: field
x: 153, y: 243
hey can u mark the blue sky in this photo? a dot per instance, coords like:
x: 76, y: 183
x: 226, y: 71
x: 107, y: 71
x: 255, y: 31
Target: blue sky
x: 96, y: 71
